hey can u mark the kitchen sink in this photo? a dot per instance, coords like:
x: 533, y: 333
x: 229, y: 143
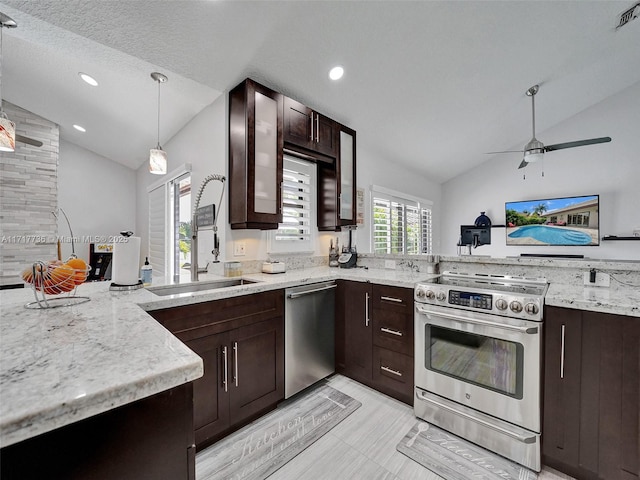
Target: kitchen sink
x: 198, y: 286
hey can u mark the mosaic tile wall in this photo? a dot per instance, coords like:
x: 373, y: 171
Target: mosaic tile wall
x: 28, y: 195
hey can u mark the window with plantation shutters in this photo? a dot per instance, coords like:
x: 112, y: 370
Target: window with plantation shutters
x: 158, y: 229
x: 294, y: 234
x: 170, y: 223
x: 400, y: 225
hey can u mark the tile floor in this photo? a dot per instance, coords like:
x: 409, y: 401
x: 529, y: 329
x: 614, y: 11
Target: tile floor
x: 363, y: 446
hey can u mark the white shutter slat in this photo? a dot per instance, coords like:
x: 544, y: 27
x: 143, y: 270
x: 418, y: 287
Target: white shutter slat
x: 157, y: 230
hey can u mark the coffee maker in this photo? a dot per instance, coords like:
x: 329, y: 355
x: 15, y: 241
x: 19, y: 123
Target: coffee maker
x: 349, y: 255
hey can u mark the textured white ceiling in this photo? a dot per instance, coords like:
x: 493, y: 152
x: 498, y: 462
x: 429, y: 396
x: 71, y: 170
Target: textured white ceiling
x: 431, y: 85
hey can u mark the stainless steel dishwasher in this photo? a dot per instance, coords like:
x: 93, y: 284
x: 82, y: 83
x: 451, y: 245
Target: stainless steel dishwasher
x: 309, y: 343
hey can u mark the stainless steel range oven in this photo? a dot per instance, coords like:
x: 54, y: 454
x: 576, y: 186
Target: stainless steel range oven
x: 478, y: 345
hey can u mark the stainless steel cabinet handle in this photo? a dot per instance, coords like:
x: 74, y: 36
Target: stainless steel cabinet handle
x: 515, y: 435
x: 225, y: 367
x: 397, y: 333
x: 235, y: 363
x: 387, y: 369
x: 391, y: 299
x: 562, y: 353
x: 366, y: 309
x: 311, y: 126
x: 477, y: 321
x: 317, y: 128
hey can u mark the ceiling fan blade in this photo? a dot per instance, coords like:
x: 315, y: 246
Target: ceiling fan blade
x: 523, y: 164
x: 578, y: 143
x: 28, y: 141
x: 504, y: 151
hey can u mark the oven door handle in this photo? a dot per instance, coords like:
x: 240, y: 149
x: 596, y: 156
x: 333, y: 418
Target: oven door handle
x: 476, y: 321
x: 515, y: 435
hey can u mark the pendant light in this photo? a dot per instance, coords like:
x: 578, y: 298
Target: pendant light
x: 7, y: 127
x: 157, y: 156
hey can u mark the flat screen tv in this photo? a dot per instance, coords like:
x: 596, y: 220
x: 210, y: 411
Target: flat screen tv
x: 470, y: 235
x: 565, y: 221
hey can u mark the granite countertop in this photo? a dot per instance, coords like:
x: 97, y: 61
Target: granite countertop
x: 617, y: 299
x: 65, y: 364
x: 61, y: 365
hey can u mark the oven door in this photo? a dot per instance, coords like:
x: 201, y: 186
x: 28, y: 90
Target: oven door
x: 485, y: 362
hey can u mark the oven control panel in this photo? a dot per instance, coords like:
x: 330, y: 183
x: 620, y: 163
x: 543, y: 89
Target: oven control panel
x: 482, y: 301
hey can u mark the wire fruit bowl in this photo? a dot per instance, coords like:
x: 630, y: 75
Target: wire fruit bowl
x: 55, y: 283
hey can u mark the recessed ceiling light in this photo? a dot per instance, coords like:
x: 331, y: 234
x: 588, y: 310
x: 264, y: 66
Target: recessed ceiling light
x: 336, y: 73
x: 89, y: 79
x: 80, y: 128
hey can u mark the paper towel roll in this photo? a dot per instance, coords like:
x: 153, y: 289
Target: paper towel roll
x: 126, y: 257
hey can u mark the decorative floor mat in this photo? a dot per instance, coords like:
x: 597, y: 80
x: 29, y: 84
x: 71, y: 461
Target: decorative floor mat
x: 262, y: 447
x: 454, y: 458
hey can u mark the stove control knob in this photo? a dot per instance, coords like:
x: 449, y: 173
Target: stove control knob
x: 441, y: 296
x: 420, y: 293
x: 531, y: 308
x: 430, y: 295
x: 501, y: 304
x: 515, y: 306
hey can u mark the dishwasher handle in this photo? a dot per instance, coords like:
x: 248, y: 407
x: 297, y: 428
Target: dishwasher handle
x: 309, y: 292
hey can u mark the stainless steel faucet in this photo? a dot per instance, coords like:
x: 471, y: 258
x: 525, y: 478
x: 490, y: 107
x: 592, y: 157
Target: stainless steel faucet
x: 194, y: 227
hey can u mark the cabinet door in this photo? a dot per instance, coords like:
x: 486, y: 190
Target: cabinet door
x: 257, y: 368
x: 210, y: 399
x: 297, y: 123
x: 308, y: 129
x: 358, y: 331
x: 255, y: 156
x: 562, y: 376
x: 347, y: 177
x: 610, y: 396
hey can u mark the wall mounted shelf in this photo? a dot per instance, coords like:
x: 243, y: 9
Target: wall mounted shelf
x: 613, y: 237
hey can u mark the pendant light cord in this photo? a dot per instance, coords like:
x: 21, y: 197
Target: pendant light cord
x: 159, y: 147
x: 1, y: 30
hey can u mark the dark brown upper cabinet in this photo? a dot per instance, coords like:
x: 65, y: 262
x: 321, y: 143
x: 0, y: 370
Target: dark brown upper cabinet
x: 255, y: 156
x: 308, y: 129
x: 337, y: 185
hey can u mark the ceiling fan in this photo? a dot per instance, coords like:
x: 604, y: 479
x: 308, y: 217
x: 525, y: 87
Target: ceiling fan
x: 8, y: 22
x: 535, y: 149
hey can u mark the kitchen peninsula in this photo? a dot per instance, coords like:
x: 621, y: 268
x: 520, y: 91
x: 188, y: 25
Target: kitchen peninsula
x: 60, y: 367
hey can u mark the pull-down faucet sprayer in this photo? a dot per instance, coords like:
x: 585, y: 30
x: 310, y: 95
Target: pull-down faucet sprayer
x: 194, y: 226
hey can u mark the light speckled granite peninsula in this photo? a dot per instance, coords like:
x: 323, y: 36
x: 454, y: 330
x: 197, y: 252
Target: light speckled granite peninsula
x: 62, y: 365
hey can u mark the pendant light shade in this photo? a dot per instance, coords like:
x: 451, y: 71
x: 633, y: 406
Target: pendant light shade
x: 7, y: 127
x: 157, y: 156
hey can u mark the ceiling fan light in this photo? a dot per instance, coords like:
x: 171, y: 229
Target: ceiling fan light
x: 7, y: 134
x: 532, y: 156
x: 157, y: 161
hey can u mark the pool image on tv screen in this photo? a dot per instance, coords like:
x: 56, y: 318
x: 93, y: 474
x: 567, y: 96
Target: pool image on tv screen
x: 566, y: 221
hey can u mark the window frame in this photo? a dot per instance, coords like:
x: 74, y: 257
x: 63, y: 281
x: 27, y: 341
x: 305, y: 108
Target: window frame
x: 422, y: 205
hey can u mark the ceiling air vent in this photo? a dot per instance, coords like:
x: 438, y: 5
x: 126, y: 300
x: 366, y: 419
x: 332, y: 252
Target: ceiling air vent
x: 628, y: 15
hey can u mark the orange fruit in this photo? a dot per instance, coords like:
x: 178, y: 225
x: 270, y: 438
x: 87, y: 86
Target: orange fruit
x: 80, y: 269
x: 62, y: 279
x: 27, y: 275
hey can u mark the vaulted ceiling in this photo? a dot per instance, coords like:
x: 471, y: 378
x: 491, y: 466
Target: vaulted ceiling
x: 431, y: 85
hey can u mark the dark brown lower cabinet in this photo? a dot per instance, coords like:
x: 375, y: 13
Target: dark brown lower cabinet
x: 591, y: 424
x: 150, y: 439
x: 374, y: 337
x: 241, y: 343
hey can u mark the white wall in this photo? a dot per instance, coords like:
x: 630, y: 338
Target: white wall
x: 97, y: 194
x: 611, y: 170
